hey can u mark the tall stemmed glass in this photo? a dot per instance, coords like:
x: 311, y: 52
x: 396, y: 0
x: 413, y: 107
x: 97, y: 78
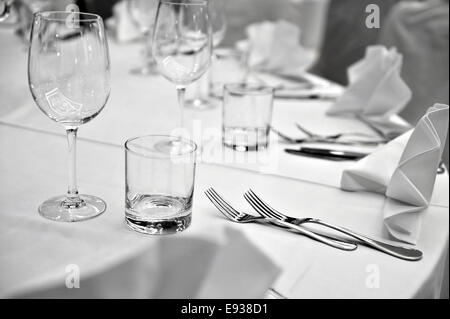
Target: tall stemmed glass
x: 69, y: 78
x: 182, y: 43
x: 202, y: 100
x: 143, y: 13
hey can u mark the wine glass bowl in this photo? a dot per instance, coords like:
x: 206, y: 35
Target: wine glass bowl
x: 186, y: 60
x: 69, y: 79
x: 143, y: 13
x: 218, y: 21
x: 202, y: 100
x: 69, y: 71
x: 182, y: 41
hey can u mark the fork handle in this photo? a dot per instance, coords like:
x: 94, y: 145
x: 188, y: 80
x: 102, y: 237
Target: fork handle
x: 393, y: 250
x: 334, y: 243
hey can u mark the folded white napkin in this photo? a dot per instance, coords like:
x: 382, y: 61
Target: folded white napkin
x: 224, y: 264
x: 376, y: 90
x: 122, y: 24
x: 275, y: 46
x: 405, y: 171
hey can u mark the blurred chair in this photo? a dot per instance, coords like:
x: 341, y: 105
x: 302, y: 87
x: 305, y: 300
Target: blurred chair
x: 420, y: 31
x: 346, y: 36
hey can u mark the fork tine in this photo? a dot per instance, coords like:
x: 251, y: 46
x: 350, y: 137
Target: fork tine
x: 224, y: 203
x: 283, y: 136
x: 224, y: 208
x: 273, y: 211
x: 215, y: 203
x: 219, y: 202
x: 256, y: 206
x: 307, y: 132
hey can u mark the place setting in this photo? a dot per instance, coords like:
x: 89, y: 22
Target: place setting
x: 209, y: 158
x: 406, y: 194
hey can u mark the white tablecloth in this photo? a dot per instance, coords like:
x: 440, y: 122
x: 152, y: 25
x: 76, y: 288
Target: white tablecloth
x: 32, y: 168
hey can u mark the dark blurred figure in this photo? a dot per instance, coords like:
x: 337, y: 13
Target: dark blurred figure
x: 420, y: 31
x: 101, y: 7
x: 347, y: 36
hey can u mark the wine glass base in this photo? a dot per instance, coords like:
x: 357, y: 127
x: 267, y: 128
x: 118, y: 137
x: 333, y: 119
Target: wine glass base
x: 145, y: 71
x: 56, y: 209
x: 200, y: 104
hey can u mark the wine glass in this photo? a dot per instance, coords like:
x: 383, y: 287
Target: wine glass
x: 218, y: 21
x: 69, y: 79
x: 182, y: 43
x: 143, y: 13
x: 202, y: 100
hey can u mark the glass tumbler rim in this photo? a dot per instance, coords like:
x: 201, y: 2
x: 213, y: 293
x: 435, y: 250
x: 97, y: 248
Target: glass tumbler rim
x: 61, y: 16
x: 248, y: 88
x: 162, y: 138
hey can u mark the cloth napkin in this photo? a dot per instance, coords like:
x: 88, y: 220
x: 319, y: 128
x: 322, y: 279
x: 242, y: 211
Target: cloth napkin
x: 223, y: 265
x: 405, y: 171
x: 275, y: 46
x: 122, y: 24
x: 376, y: 90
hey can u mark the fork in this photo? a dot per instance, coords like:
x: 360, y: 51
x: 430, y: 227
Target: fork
x: 312, y: 138
x: 397, y: 251
x: 240, y: 217
x: 332, y: 139
x: 335, y: 136
x: 386, y: 136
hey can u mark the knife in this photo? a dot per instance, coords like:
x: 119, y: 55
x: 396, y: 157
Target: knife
x: 329, y: 154
x: 307, y: 96
x: 293, y: 77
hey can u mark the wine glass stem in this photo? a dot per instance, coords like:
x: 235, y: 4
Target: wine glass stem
x: 73, y: 200
x: 208, y: 75
x: 210, y: 72
x: 148, y: 52
x: 203, y: 92
x: 246, y: 62
x: 181, y: 90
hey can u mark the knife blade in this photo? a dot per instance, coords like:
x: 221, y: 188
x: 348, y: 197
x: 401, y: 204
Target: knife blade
x: 328, y: 154
x: 293, y: 77
x: 307, y: 96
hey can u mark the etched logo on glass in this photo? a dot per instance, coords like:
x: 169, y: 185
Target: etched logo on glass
x: 175, y: 69
x: 61, y: 104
